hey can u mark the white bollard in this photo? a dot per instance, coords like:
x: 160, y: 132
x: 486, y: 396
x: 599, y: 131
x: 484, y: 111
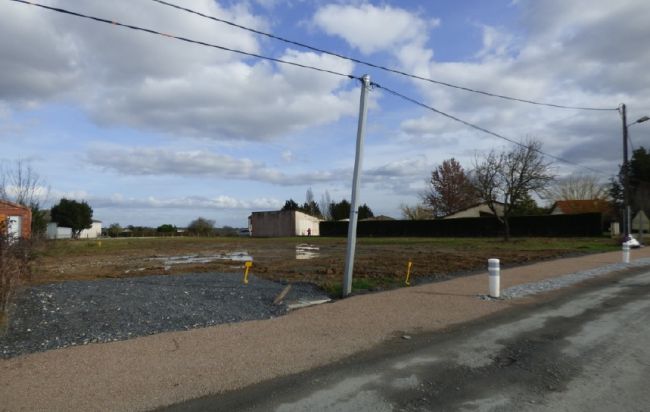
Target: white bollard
x: 494, y: 273
x: 626, y: 253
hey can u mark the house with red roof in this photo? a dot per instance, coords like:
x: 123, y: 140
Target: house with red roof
x: 574, y: 207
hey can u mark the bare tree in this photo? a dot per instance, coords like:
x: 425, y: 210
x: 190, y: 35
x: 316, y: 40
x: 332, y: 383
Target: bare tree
x: 20, y: 184
x: 450, y: 189
x: 577, y: 187
x: 311, y: 207
x: 416, y: 212
x: 508, y: 177
x: 324, y: 205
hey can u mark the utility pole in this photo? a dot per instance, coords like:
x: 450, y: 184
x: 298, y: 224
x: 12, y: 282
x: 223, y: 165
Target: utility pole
x: 626, y: 178
x: 354, y: 207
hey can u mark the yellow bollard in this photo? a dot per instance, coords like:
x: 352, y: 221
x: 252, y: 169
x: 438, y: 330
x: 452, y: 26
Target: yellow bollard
x: 248, y: 266
x: 408, y: 273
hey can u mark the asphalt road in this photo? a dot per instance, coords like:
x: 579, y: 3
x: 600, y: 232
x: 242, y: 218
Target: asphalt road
x: 587, y: 349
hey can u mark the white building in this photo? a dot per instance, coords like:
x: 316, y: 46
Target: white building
x: 94, y: 232
x: 54, y: 231
x: 283, y: 223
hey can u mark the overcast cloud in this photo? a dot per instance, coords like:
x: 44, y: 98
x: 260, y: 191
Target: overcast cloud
x: 164, y: 85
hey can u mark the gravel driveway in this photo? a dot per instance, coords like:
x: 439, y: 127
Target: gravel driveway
x: 81, y: 312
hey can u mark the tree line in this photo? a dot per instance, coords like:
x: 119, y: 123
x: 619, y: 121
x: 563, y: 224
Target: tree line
x: 506, y: 182
x: 327, y: 209
x: 198, y: 227
x: 505, y: 178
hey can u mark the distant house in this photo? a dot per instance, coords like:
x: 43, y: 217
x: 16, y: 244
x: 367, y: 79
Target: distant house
x: 15, y: 220
x: 283, y: 223
x: 94, y: 232
x: 574, y: 207
x: 477, y: 210
x: 54, y: 231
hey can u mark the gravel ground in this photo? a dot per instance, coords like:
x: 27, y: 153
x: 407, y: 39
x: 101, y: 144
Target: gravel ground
x: 567, y: 280
x: 81, y: 312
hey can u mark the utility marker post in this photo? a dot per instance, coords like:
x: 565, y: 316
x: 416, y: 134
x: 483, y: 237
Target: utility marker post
x: 354, y: 207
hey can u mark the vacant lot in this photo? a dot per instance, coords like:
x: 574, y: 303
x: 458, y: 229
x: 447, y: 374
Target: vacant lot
x: 380, y: 262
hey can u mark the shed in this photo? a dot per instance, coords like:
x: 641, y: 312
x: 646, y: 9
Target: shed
x: 15, y: 220
x: 283, y: 223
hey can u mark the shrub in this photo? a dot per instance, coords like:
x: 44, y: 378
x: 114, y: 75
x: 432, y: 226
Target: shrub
x: 15, y: 255
x: 201, y: 227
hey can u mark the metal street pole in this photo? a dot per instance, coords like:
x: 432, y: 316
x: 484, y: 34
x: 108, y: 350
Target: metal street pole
x: 354, y: 207
x: 626, y: 178
x: 626, y: 127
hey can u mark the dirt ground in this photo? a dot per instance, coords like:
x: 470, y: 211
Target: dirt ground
x: 380, y: 262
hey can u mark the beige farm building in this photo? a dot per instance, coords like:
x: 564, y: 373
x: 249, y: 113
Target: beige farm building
x: 283, y: 223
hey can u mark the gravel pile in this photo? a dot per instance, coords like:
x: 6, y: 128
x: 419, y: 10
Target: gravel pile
x: 81, y: 312
x: 567, y: 280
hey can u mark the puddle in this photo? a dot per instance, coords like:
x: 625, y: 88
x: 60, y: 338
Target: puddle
x: 242, y: 256
x: 306, y: 251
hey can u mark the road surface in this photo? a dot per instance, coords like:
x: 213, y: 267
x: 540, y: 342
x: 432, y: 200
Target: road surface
x: 586, y: 350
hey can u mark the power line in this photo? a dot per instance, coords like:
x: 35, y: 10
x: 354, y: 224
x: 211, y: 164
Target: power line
x: 185, y: 39
x: 150, y: 31
x: 377, y: 66
x: 482, y: 129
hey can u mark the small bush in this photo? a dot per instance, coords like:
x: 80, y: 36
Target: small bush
x: 14, y: 268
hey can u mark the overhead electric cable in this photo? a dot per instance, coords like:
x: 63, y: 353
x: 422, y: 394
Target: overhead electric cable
x: 377, y: 66
x: 185, y: 39
x: 479, y: 128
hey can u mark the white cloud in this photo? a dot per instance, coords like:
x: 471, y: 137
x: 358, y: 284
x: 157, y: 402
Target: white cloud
x: 496, y: 42
x: 159, y: 162
x: 147, y: 161
x: 52, y: 196
x: 372, y: 28
x: 575, y: 53
x: 287, y: 156
x: 187, y: 202
x: 126, y: 78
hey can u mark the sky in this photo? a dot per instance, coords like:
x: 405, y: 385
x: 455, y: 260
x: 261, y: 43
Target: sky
x: 151, y: 130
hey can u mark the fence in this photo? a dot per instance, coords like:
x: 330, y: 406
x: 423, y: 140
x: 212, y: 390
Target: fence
x: 587, y: 224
